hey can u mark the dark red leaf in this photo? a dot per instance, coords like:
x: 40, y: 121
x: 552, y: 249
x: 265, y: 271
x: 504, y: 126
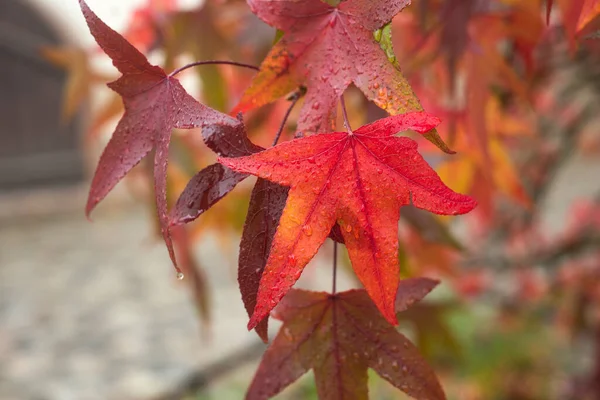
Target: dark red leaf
x: 266, y: 205
x: 205, y: 189
x: 215, y: 181
x: 411, y: 291
x: 339, y: 337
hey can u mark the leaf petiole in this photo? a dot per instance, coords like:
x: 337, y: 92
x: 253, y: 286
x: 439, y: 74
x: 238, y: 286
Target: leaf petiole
x: 333, y: 287
x: 345, y: 113
x: 294, y: 97
x: 213, y: 62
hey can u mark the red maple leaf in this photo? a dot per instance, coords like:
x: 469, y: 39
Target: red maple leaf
x: 155, y: 103
x: 326, y: 48
x: 358, y: 179
x: 340, y: 336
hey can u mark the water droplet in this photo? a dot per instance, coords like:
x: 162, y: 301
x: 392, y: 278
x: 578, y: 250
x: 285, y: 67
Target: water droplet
x: 307, y: 230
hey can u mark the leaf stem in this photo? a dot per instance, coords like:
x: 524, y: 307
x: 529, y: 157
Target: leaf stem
x: 333, y: 287
x: 345, y: 113
x: 294, y: 99
x: 213, y: 62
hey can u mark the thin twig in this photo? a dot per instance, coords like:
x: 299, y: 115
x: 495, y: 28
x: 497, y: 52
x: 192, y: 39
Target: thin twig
x: 214, y: 62
x: 200, y: 379
x: 333, y: 286
x: 345, y: 113
x: 294, y: 99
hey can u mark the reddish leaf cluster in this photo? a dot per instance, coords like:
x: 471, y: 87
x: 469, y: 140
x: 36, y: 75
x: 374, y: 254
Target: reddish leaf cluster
x: 346, y: 185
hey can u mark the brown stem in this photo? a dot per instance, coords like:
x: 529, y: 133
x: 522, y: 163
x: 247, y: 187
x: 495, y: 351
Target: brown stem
x: 213, y: 62
x: 333, y: 286
x: 345, y: 113
x: 294, y: 99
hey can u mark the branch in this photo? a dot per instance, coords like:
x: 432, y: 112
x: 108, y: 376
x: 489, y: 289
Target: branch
x: 202, y: 378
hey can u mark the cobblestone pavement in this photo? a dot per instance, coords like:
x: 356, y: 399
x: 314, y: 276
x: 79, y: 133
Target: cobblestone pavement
x: 93, y: 311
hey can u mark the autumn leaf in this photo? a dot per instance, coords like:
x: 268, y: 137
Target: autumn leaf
x: 326, y: 48
x: 340, y: 336
x: 359, y: 179
x: 215, y: 181
x: 80, y: 77
x: 155, y: 103
x: 266, y: 205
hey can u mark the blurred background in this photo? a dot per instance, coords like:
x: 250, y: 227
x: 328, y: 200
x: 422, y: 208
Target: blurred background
x: 94, y: 311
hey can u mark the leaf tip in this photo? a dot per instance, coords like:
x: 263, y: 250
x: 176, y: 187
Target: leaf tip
x: 252, y: 324
x: 90, y: 205
x: 413, y: 290
x: 262, y: 334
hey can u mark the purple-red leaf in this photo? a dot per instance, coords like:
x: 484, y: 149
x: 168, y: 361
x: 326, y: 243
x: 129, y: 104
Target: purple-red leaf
x: 211, y: 184
x: 266, y: 205
x: 340, y: 336
x: 205, y: 189
x: 155, y: 103
x: 411, y: 291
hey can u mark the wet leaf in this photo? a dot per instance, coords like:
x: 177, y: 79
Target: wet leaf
x: 266, y: 205
x: 325, y: 48
x: 340, y: 337
x: 155, y: 103
x: 360, y: 180
x: 215, y: 181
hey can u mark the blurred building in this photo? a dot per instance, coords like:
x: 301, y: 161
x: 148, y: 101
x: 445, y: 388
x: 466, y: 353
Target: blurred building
x: 37, y: 146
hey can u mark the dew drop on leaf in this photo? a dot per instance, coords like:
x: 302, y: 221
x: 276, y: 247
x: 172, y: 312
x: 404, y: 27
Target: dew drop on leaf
x: 307, y: 230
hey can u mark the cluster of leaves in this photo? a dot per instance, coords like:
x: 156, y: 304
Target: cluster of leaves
x: 355, y: 179
x: 347, y: 185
